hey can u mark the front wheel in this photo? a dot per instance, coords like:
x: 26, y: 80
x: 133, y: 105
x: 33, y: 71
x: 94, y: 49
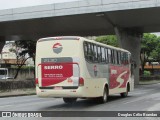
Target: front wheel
x: 69, y: 100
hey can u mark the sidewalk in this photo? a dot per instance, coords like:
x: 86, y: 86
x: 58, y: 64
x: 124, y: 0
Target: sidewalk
x: 18, y: 92
x: 149, y: 82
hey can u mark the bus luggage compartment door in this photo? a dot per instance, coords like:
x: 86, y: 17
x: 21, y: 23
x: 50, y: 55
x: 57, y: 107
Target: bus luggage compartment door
x: 59, y: 74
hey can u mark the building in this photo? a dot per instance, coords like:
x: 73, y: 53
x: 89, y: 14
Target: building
x: 8, y: 58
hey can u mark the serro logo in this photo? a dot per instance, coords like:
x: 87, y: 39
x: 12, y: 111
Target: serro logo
x: 57, y: 48
x: 58, y: 67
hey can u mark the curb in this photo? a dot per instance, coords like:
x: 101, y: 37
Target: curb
x: 17, y: 95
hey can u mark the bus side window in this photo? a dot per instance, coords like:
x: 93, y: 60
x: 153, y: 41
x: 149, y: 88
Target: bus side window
x: 95, y: 53
x: 119, y: 57
x: 103, y: 54
x: 122, y: 58
x: 112, y: 57
x: 127, y: 58
x: 109, y: 55
x: 85, y: 49
x: 115, y: 57
x: 107, y: 58
x: 90, y: 52
x: 99, y: 54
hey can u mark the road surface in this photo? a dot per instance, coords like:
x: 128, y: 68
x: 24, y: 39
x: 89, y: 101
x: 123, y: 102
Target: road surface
x: 143, y: 98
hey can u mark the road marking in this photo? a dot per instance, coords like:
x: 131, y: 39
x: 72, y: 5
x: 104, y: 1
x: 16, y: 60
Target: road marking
x: 5, y: 106
x: 155, y: 107
x: 143, y: 97
x: 28, y: 104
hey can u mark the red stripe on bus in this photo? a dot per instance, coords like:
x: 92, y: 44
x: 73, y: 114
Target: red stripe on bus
x: 118, y: 74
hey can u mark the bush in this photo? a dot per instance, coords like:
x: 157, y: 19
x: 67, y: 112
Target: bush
x: 147, y: 73
x: 10, y: 85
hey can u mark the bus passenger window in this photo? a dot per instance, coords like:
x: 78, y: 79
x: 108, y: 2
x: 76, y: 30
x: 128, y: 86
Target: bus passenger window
x: 90, y: 52
x: 122, y: 58
x: 99, y: 54
x: 106, y: 55
x: 103, y: 55
x: 119, y: 57
x: 95, y: 53
x: 115, y: 56
x: 85, y: 49
x: 112, y: 56
x: 118, y: 60
x: 109, y: 55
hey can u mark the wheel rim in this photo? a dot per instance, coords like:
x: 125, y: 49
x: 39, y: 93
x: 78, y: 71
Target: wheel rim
x: 104, y: 96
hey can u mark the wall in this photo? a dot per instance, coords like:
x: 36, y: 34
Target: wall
x: 23, y: 73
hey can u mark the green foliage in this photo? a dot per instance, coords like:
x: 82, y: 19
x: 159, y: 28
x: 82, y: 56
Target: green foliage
x: 155, y: 54
x: 147, y: 73
x: 150, y: 48
x: 28, y: 46
x: 108, y: 39
x: 23, y: 49
x: 148, y: 44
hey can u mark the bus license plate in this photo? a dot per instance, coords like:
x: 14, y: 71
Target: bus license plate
x: 58, y: 88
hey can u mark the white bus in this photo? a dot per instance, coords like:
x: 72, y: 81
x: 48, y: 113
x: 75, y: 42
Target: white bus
x: 74, y: 67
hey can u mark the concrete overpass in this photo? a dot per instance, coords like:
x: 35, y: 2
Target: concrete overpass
x: 128, y: 19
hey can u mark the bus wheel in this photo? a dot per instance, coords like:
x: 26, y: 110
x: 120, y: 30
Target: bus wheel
x: 69, y: 100
x: 104, y: 98
x: 125, y: 94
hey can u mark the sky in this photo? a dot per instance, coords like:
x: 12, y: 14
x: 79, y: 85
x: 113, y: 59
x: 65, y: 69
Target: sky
x: 7, y: 4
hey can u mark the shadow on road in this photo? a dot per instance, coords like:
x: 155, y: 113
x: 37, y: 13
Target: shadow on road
x: 81, y: 104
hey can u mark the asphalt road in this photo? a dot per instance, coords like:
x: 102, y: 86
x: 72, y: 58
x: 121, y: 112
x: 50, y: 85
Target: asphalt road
x: 143, y: 98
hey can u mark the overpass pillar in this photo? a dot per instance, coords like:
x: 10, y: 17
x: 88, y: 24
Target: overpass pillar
x: 130, y: 40
x: 2, y: 43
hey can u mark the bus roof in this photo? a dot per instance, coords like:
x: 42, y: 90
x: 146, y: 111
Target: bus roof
x: 79, y: 38
x: 60, y: 38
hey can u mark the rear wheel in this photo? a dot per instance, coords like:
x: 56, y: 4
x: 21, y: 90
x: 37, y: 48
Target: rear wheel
x: 69, y: 100
x: 104, y: 98
x: 125, y: 94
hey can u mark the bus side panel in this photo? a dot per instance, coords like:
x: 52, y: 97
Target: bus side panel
x: 96, y: 77
x: 119, y: 77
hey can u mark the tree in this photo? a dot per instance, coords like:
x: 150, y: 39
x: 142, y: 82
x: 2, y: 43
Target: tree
x: 155, y: 54
x: 149, y: 52
x: 24, y: 49
x: 108, y: 39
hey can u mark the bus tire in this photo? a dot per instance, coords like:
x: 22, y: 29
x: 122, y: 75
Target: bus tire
x: 69, y: 100
x: 104, y: 98
x: 125, y: 94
